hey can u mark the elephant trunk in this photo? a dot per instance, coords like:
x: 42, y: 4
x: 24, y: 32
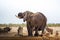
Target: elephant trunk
x: 24, y: 19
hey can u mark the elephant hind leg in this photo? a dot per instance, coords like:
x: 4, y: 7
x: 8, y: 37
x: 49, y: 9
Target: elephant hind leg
x: 36, y: 32
x: 43, y: 27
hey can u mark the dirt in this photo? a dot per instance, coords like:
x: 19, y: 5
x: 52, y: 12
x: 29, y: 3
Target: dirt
x: 13, y: 31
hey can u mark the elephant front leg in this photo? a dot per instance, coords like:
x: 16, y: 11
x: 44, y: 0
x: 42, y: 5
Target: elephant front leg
x: 36, y: 33
x: 30, y: 32
x: 29, y: 29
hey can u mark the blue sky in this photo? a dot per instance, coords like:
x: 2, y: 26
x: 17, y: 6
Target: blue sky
x: 10, y: 8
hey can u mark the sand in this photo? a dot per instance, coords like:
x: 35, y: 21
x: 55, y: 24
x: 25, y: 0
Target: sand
x: 13, y: 31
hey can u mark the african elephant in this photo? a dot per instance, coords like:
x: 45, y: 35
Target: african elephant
x: 35, y: 21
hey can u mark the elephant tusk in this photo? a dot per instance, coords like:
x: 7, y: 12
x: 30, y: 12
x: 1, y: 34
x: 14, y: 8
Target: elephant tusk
x: 16, y: 16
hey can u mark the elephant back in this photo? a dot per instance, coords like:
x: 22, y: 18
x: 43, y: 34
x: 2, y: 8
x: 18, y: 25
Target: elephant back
x: 38, y: 20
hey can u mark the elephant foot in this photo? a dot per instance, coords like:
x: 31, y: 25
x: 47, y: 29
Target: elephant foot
x: 30, y: 35
x: 36, y: 34
x: 41, y: 35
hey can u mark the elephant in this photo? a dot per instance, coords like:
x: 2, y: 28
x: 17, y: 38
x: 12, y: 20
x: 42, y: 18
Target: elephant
x: 35, y: 21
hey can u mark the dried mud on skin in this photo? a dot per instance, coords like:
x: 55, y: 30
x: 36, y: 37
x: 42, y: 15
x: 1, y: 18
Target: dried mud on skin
x: 30, y: 38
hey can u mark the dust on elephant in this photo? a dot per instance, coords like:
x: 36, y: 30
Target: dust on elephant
x: 35, y: 21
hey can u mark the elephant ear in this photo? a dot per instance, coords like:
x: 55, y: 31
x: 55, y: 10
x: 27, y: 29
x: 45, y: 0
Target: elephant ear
x: 30, y: 16
x: 25, y: 17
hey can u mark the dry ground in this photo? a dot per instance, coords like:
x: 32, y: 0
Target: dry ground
x: 13, y: 31
x: 12, y: 35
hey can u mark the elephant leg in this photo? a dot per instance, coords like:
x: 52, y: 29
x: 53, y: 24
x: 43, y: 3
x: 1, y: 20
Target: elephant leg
x: 29, y: 29
x: 43, y: 27
x: 30, y: 32
x: 36, y: 32
x: 42, y: 31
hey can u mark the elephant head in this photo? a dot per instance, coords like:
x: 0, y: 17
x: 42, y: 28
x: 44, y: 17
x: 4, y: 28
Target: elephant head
x: 25, y: 15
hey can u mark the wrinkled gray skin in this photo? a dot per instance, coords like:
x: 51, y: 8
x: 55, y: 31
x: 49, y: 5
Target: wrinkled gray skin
x: 35, y: 22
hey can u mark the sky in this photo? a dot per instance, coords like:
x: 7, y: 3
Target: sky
x: 10, y: 8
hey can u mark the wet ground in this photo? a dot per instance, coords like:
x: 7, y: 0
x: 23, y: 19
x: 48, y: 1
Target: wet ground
x: 13, y: 31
